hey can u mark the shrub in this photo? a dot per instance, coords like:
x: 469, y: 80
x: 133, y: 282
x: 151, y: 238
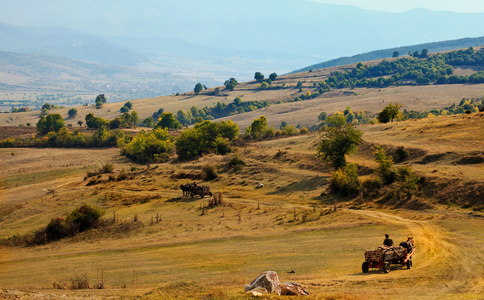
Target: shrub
x: 85, y: 217
x: 401, y: 153
x: 385, y: 166
x: 344, y: 181
x: 209, y: 172
x: 236, y: 164
x: 107, y: 168
x: 371, y: 187
x: 222, y: 145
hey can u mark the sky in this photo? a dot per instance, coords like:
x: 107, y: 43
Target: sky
x: 462, y: 6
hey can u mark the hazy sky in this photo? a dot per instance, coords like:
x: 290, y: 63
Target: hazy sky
x: 464, y: 6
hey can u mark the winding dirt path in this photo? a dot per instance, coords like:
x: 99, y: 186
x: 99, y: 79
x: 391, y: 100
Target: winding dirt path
x: 454, y: 260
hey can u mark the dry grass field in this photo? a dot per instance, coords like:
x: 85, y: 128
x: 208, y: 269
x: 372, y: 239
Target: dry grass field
x: 174, y: 250
x: 163, y: 245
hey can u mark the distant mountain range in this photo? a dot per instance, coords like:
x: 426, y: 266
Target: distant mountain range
x: 211, y: 41
x: 387, y: 53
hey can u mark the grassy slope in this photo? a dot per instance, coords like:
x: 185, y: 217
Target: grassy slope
x: 191, y: 255
x: 371, y: 100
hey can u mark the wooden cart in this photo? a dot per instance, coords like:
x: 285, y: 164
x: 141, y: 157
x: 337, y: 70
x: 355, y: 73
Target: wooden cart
x: 384, y: 257
x: 200, y: 191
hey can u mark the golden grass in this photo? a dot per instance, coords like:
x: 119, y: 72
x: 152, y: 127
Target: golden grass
x: 284, y: 226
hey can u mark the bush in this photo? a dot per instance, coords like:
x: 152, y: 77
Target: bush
x: 344, y: 181
x: 236, y: 164
x: 371, y: 187
x: 385, y: 166
x: 401, y: 153
x: 209, y: 172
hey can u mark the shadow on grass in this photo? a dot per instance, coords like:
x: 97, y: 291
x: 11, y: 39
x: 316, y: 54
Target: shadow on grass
x: 302, y: 186
x: 184, y: 199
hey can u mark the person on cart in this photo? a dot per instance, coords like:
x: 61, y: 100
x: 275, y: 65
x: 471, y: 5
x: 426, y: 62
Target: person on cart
x: 388, y: 241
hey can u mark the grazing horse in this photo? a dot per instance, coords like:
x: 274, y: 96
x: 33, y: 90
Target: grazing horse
x: 186, y: 188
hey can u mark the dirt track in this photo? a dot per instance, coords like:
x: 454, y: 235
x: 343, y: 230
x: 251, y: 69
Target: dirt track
x: 455, y: 259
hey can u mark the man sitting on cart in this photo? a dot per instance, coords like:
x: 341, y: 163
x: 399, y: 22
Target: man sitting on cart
x: 388, y: 241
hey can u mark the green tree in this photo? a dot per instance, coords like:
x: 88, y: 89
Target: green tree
x: 124, y: 109
x: 231, y: 83
x: 258, y: 126
x: 389, y: 113
x: 183, y: 117
x: 216, y: 91
x: 101, y: 98
x: 259, y: 77
x: 337, y: 142
x: 198, y: 88
x: 425, y: 53
x: 396, y: 54
x: 155, y: 146
x: 72, y: 112
x: 322, y: 116
x: 148, y: 122
x: 299, y: 85
x: 128, y: 104
x: 80, y: 123
x: 134, y: 118
x: 273, y: 76
x: 53, y: 122
x: 168, y: 120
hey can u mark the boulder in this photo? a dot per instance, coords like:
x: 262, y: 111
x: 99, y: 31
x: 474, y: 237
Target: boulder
x: 293, y: 288
x: 268, y: 281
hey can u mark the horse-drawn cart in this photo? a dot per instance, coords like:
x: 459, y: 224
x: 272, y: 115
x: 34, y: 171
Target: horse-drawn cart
x: 200, y: 191
x: 383, y: 257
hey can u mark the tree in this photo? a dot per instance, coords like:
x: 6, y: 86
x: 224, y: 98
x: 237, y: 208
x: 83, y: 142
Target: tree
x: 257, y: 127
x: 168, y: 120
x: 183, y: 117
x: 72, y: 112
x: 389, y: 113
x: 322, y: 116
x: 425, y: 53
x: 259, y: 77
x: 337, y: 142
x: 124, y: 109
x: 198, y: 88
x: 148, y: 122
x: 47, y: 106
x: 216, y: 92
x: 134, y: 119
x: 299, y: 85
x: 155, y: 146
x: 101, y: 98
x: 80, y: 123
x: 273, y: 76
x: 53, y: 122
x: 396, y: 54
x: 230, y: 84
x: 128, y: 104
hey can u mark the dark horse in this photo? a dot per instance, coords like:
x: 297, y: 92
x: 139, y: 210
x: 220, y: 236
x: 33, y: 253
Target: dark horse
x: 186, y: 188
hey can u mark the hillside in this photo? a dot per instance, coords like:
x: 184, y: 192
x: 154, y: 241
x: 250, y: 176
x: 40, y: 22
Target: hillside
x: 164, y: 245
x: 152, y: 242
x: 283, y: 92
x: 388, y: 53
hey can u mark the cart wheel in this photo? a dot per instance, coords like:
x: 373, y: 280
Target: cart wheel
x: 365, y: 267
x: 409, y: 264
x: 386, y: 267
